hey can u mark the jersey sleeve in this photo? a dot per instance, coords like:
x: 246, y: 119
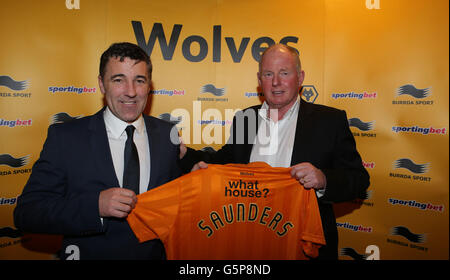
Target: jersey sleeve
x: 155, y: 212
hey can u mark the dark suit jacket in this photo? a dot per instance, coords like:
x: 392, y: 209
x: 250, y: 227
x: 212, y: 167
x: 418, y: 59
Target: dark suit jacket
x: 322, y: 138
x: 62, y: 193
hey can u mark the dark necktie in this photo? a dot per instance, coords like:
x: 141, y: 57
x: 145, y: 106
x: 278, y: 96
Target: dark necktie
x: 131, y: 163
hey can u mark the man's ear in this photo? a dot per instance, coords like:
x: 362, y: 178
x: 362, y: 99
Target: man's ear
x: 301, y: 78
x: 100, y: 84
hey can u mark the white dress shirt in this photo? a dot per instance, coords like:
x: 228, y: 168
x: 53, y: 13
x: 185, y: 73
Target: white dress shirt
x: 274, y: 142
x: 117, y: 137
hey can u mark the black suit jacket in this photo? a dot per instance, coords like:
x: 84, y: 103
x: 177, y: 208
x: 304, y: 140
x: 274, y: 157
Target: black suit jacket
x: 322, y: 138
x: 62, y: 193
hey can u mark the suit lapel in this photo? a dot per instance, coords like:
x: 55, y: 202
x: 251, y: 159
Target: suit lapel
x: 155, y: 153
x: 304, y: 114
x: 98, y: 140
x: 249, y: 142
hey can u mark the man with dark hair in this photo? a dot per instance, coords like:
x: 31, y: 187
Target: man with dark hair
x: 122, y: 51
x: 313, y: 140
x: 90, y: 170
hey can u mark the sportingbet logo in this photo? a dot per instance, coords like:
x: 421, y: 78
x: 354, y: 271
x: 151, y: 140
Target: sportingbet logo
x: 8, y: 200
x: 420, y: 130
x: 71, y: 89
x: 355, y: 228
x: 370, y: 165
x: 415, y: 204
x: 15, y: 123
x: 215, y: 122
x: 253, y: 94
x: 235, y: 49
x: 170, y: 92
x: 354, y: 95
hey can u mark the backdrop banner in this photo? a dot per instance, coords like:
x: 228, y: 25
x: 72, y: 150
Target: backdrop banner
x: 385, y: 62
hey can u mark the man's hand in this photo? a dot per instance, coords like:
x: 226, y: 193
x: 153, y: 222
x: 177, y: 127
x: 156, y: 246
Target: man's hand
x: 199, y: 165
x: 309, y: 176
x: 116, y: 202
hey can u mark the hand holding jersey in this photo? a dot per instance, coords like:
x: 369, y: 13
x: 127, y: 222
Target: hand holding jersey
x: 199, y: 165
x: 309, y: 176
x: 116, y: 202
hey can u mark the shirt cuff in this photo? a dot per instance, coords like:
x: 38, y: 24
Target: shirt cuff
x: 320, y: 192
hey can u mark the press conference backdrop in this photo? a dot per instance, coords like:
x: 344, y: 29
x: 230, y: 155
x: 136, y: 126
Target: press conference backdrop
x: 385, y: 62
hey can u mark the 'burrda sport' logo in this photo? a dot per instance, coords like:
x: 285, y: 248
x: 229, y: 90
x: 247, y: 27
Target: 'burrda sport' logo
x: 419, y: 96
x: 413, y: 238
x: 12, y: 84
x: 411, y: 166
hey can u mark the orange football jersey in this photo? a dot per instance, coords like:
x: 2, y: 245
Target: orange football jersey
x: 232, y: 211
